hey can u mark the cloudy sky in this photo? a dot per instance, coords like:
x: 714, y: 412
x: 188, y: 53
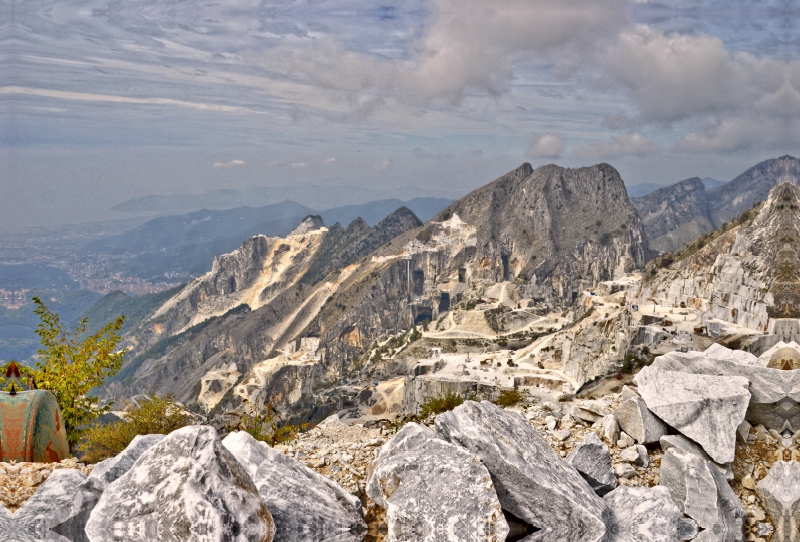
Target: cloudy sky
x: 101, y: 101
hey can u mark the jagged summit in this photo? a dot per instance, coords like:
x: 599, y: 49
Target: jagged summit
x: 309, y: 224
x: 556, y: 227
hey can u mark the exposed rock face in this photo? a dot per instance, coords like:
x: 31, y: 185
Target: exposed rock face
x: 746, y: 275
x: 433, y: 491
x: 253, y: 302
x: 637, y: 514
x: 592, y: 461
x: 707, y: 409
x: 678, y: 214
x: 186, y: 487
x: 780, y: 493
x: 675, y: 215
x: 734, y: 198
x: 533, y: 483
x: 305, y: 506
x: 561, y: 229
x: 702, y: 493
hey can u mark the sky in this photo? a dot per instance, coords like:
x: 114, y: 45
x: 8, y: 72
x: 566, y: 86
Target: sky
x: 102, y: 101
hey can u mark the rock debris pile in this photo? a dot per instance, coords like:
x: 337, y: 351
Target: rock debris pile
x: 677, y: 455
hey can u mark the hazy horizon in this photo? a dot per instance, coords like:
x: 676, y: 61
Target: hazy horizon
x: 102, y: 102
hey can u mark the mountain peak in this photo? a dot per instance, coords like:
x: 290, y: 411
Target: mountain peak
x: 309, y: 224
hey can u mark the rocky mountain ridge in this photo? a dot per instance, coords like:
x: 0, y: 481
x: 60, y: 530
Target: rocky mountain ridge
x: 681, y: 213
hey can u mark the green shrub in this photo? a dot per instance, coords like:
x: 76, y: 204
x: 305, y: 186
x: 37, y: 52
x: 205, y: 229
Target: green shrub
x: 439, y: 404
x: 509, y: 398
x: 153, y: 416
x: 267, y: 425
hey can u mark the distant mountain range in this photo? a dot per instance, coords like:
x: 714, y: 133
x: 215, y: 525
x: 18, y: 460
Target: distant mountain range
x: 312, y: 196
x: 641, y: 190
x: 183, y: 246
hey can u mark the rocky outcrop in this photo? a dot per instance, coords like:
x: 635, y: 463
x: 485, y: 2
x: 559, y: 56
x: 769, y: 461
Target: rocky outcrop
x: 559, y: 229
x: 186, y: 487
x: 675, y: 215
x: 707, y: 409
x: 754, y: 185
x: 533, y: 483
x: 745, y: 274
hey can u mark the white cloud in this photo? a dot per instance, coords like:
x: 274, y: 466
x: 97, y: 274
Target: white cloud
x: 633, y: 144
x: 382, y: 164
x: 299, y: 165
x: 232, y: 163
x: 546, y: 146
x: 331, y: 160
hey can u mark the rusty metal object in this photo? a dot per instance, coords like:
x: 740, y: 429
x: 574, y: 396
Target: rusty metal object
x: 31, y: 428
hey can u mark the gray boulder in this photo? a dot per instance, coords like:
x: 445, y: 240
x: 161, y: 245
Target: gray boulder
x: 645, y: 514
x: 707, y: 409
x: 57, y: 512
x: 437, y: 491
x: 109, y: 470
x: 636, y: 420
x: 186, y: 487
x: 780, y: 493
x: 533, y: 483
x: 593, y: 461
x: 305, y: 505
x: 702, y: 493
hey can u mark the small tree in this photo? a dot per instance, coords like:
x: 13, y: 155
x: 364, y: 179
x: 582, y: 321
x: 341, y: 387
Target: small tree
x: 70, y: 365
x: 152, y: 416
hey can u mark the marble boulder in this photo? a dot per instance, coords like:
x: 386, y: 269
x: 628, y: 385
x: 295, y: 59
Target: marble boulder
x: 707, y: 409
x: 306, y: 506
x: 533, y: 483
x: 646, y: 514
x: 593, y: 461
x: 636, y: 420
x: 188, y: 487
x: 701, y: 492
x: 436, y: 491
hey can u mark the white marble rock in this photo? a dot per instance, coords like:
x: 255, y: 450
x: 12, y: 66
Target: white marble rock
x: 592, y: 461
x: 780, y: 493
x: 533, y: 483
x: 437, y: 492
x: 306, y: 506
x: 109, y: 470
x: 188, y: 487
x: 701, y: 492
x: 707, y: 409
x: 610, y: 428
x: 57, y: 512
x: 645, y: 514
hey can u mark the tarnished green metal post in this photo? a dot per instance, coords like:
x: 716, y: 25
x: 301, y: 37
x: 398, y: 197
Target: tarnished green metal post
x: 31, y: 428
